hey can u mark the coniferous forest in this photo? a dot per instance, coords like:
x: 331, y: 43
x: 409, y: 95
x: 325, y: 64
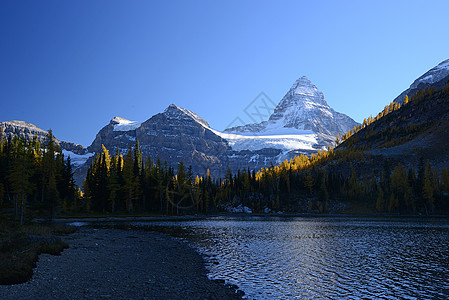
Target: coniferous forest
x: 37, y: 180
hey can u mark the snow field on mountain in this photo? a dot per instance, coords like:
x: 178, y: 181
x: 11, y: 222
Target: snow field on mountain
x: 77, y: 159
x: 285, y: 139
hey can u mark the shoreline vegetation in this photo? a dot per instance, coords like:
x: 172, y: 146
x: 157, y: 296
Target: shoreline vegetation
x: 20, y: 247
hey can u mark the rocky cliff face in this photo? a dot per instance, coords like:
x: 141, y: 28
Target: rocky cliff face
x: 22, y: 130
x: 436, y: 77
x: 28, y: 131
x: 175, y: 135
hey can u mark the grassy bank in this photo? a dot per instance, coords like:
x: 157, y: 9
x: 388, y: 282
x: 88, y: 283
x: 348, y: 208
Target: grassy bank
x: 20, y: 247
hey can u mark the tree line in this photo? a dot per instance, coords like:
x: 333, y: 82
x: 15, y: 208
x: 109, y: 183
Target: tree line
x: 308, y: 184
x: 35, y: 179
x: 127, y: 182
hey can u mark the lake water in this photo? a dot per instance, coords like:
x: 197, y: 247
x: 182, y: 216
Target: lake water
x: 324, y: 258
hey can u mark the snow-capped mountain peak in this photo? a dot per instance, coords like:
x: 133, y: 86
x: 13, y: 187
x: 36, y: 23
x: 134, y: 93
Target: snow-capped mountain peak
x: 436, y: 77
x: 302, y: 97
x: 303, y: 112
x: 433, y: 75
x: 304, y: 87
x: 176, y: 112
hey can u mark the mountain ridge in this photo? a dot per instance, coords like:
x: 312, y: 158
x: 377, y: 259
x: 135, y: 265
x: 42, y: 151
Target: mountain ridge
x: 26, y: 130
x: 436, y: 77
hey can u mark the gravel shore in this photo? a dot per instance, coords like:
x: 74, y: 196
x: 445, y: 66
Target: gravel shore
x: 120, y: 264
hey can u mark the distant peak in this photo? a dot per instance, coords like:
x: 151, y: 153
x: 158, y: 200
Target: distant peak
x: 434, y: 75
x: 174, y: 111
x: 305, y: 90
x: 20, y: 124
x: 303, y: 82
x: 444, y: 64
x: 303, y: 79
x: 172, y: 107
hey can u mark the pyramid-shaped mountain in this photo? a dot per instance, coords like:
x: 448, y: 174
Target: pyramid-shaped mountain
x: 303, y: 111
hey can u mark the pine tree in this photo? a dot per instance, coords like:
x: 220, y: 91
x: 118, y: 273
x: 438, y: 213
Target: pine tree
x: 324, y: 195
x: 113, y: 181
x: 139, y: 175
x: 181, y: 185
x: 128, y: 176
x: 50, y: 195
x: 354, y: 186
x: 428, y: 189
x: 400, y: 187
x: 309, y: 181
x: 160, y: 175
x: 67, y: 185
x: 380, y: 201
x: 393, y: 204
x: 19, y: 178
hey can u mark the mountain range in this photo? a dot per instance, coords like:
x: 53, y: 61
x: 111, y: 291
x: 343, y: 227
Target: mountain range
x: 302, y: 123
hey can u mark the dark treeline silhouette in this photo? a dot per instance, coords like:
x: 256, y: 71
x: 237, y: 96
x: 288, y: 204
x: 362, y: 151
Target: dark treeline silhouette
x: 35, y: 179
x: 128, y: 183
x: 302, y: 184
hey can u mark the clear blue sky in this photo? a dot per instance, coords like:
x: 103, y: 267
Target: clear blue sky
x: 74, y: 65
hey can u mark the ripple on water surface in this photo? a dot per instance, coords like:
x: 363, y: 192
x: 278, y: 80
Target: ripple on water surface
x: 326, y: 258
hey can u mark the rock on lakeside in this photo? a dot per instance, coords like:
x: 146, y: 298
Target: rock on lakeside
x: 120, y: 264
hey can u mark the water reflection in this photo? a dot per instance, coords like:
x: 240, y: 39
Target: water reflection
x: 326, y: 258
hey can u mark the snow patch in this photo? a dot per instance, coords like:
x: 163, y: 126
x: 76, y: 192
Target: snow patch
x: 77, y: 159
x: 286, y: 139
x: 433, y: 75
x: 126, y: 125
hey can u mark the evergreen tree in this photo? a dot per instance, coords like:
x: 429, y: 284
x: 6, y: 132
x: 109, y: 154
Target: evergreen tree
x: 113, y: 180
x: 309, y: 181
x: 139, y: 177
x: 50, y: 195
x: 428, y: 189
x: 401, y: 188
x: 380, y: 201
x: 129, y: 179
x: 67, y: 187
x: 19, y: 178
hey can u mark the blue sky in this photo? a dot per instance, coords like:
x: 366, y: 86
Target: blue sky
x: 74, y: 65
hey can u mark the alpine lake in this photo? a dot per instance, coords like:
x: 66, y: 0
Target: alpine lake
x: 271, y: 257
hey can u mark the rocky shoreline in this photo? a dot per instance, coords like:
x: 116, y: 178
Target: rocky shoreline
x: 121, y: 264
